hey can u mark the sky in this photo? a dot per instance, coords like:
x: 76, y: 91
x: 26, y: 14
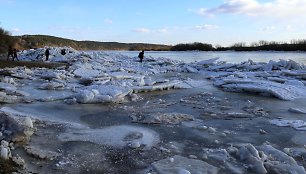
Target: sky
x: 218, y: 22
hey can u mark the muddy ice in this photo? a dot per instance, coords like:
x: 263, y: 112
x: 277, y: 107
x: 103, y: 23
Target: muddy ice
x: 106, y: 113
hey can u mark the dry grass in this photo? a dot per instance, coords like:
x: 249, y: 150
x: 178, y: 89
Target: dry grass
x: 7, y: 166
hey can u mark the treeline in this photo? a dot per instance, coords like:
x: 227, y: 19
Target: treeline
x: 294, y: 45
x: 193, y: 46
x: 5, y: 40
x: 36, y: 41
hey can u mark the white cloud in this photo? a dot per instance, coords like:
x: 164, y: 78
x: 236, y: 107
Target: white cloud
x: 207, y: 27
x: 142, y: 30
x: 268, y: 28
x: 274, y: 8
x: 147, y: 30
x: 204, y: 12
x: 162, y: 30
x: 16, y: 31
x: 108, y: 21
x: 288, y: 27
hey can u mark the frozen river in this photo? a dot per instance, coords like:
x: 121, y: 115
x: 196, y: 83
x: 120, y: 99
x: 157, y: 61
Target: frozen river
x: 175, y: 120
x: 229, y: 56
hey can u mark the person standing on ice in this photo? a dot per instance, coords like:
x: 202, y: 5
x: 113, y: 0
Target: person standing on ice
x: 47, y: 54
x: 9, y: 53
x: 141, y: 55
x: 15, y: 54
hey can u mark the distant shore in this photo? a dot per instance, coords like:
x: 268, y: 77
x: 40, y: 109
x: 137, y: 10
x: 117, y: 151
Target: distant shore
x: 38, y: 41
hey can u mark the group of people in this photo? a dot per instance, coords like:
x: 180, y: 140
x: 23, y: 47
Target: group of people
x: 12, y: 53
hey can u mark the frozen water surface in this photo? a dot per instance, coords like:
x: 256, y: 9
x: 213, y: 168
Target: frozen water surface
x: 117, y: 136
x: 108, y: 113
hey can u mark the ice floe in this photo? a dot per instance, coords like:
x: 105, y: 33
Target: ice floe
x: 102, y: 93
x: 283, y: 79
x: 13, y: 129
x: 88, y: 72
x: 55, y: 54
x: 182, y: 165
x: 257, y: 159
x: 117, y: 136
x: 41, y: 153
x: 296, y: 124
x: 297, y: 110
x: 282, y: 91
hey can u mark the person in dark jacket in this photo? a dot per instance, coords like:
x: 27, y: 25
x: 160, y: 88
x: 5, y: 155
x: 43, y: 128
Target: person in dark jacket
x: 10, y: 53
x: 47, y: 54
x: 141, y: 55
x: 63, y: 52
x: 15, y: 54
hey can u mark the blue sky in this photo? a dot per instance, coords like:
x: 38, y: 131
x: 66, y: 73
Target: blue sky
x: 221, y: 22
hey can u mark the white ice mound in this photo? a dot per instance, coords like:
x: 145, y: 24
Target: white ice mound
x: 28, y: 122
x: 125, y: 75
x: 284, y: 79
x: 279, y: 162
x: 4, y: 153
x: 208, y: 62
x: 84, y: 72
x: 297, y: 110
x: 51, y: 74
x: 156, y: 86
x: 116, y: 136
x: 279, y: 90
x: 267, y: 159
x: 296, y: 124
x: 6, y: 98
x: 7, y: 87
x: 179, y: 165
x: 102, y: 93
x: 55, y: 54
x: 191, y: 69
